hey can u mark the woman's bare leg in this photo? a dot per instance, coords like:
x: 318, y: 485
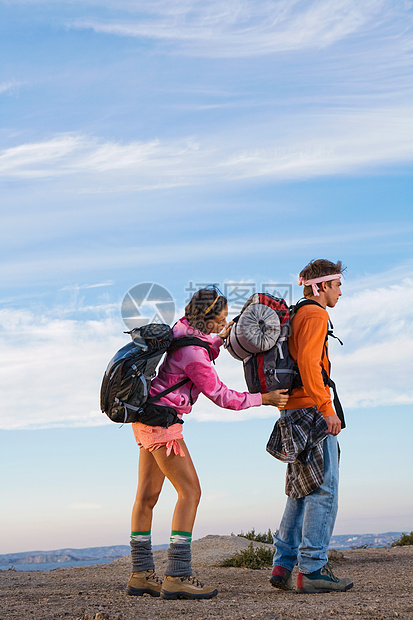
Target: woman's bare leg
x: 143, y: 579
x: 180, y: 471
x: 150, y: 481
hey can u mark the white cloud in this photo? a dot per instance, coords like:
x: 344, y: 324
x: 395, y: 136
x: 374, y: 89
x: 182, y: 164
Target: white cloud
x: 12, y: 86
x: 70, y: 154
x: 42, y: 159
x: 240, y: 28
x: 376, y: 325
x: 7, y: 87
x: 75, y: 288
x: 53, y: 366
x: 47, y: 266
x: 284, y: 148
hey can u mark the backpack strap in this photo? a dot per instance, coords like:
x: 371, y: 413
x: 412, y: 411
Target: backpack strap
x: 330, y: 333
x: 167, y: 391
x: 178, y: 343
x: 308, y: 302
x: 328, y: 381
x: 304, y: 302
x: 326, y: 376
x: 190, y: 341
x: 337, y: 404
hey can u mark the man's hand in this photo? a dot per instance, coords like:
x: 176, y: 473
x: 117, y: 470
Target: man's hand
x: 333, y: 424
x: 277, y: 398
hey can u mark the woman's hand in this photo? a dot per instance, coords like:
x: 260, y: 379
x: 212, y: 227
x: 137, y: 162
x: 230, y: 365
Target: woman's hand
x: 226, y: 330
x: 277, y: 398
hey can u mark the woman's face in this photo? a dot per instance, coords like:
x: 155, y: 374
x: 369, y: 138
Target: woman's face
x: 217, y: 324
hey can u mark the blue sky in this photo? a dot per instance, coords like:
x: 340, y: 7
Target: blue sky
x: 186, y: 143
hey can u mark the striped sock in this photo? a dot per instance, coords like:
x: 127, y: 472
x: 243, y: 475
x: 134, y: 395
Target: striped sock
x: 141, y: 551
x: 141, y: 536
x: 180, y: 538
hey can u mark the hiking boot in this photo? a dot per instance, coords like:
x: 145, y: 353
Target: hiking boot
x: 144, y: 582
x: 322, y: 580
x: 186, y: 587
x: 281, y: 578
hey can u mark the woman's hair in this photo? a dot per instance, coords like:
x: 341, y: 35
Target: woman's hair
x: 204, y: 306
x: 317, y: 269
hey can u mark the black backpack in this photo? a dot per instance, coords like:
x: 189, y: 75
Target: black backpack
x: 273, y: 369
x: 128, y: 376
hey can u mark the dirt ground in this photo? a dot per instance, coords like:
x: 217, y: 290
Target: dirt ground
x: 383, y: 589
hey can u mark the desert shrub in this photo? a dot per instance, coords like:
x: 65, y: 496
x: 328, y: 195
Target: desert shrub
x: 405, y: 539
x: 259, y: 557
x: 264, y: 538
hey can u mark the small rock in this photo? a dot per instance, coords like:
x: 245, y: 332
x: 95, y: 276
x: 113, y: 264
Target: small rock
x: 335, y: 555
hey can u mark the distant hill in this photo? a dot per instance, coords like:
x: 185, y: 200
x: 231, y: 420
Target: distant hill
x: 65, y: 556
x: 345, y: 541
x: 98, y: 555
x: 382, y: 589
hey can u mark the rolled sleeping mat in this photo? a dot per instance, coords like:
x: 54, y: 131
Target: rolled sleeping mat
x: 257, y: 329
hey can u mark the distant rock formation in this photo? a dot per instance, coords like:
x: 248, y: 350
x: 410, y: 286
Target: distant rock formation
x: 346, y: 541
x: 65, y: 555
x: 101, y: 554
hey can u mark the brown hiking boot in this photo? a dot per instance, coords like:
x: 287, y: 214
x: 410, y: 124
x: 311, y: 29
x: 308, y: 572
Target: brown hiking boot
x: 186, y: 587
x: 144, y: 582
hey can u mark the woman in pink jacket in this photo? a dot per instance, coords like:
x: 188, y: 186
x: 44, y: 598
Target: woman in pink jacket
x: 163, y: 452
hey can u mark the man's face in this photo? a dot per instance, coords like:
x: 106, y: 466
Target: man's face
x: 332, y: 293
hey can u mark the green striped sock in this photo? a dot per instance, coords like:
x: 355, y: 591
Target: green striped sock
x: 180, y: 538
x: 141, y: 536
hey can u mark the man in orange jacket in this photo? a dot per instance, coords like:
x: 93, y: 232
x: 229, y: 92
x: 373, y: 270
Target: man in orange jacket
x: 308, y: 521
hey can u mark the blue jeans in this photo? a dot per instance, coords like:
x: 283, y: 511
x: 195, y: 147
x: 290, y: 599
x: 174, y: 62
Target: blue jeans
x: 308, y: 522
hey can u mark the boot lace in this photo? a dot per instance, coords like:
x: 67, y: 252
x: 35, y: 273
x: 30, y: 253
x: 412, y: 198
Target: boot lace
x: 153, y: 577
x: 193, y: 581
x: 327, y: 570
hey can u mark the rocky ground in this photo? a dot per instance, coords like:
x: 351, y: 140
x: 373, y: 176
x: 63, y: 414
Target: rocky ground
x: 383, y: 589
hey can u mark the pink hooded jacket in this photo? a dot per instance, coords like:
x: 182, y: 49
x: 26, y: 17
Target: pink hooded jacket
x: 194, y: 362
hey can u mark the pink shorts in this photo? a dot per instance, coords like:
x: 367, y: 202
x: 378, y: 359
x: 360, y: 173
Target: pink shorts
x: 153, y: 437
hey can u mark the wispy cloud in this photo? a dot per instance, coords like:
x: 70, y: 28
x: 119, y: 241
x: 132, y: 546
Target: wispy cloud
x: 243, y: 28
x: 55, y: 365
x: 376, y: 324
x: 62, y: 361
x: 7, y: 87
x: 70, y: 154
x: 53, y: 265
x: 307, y: 146
x: 13, y: 86
x: 79, y: 287
x: 372, y: 369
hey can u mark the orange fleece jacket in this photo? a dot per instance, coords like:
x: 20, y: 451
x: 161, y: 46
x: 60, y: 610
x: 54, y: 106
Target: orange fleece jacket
x: 307, y: 347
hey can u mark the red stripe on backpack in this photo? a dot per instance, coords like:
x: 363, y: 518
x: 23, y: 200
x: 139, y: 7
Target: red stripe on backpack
x: 261, y: 374
x: 278, y: 305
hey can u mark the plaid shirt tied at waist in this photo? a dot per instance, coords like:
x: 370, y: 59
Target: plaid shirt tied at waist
x: 297, y: 439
